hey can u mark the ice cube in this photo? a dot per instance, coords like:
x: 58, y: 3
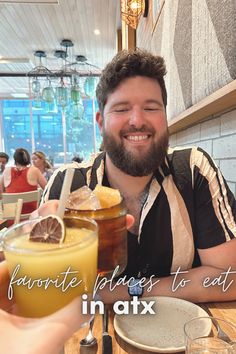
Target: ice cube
x: 83, y: 199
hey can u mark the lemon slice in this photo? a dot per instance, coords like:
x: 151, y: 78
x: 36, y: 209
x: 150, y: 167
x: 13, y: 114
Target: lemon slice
x: 108, y: 197
x: 49, y: 229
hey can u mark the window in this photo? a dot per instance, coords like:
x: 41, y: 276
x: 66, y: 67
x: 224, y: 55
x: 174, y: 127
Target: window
x: 44, y: 131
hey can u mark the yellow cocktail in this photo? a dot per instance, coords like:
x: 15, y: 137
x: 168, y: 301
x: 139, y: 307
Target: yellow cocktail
x: 46, y: 276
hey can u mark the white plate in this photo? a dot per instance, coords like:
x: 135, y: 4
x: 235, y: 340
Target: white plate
x: 162, y: 332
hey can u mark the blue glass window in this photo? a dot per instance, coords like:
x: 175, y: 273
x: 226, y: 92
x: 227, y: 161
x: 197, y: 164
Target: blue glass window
x: 45, y: 130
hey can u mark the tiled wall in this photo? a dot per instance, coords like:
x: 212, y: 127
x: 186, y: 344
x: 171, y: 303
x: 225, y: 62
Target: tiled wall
x: 218, y: 137
x: 197, y: 40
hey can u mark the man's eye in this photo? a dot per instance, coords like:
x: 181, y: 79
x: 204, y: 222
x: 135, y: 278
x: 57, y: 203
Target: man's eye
x: 120, y: 110
x: 151, y: 109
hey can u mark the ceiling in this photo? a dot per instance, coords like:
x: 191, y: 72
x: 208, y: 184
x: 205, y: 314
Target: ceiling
x: 26, y: 28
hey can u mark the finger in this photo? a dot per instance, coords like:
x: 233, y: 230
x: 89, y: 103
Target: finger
x: 129, y: 221
x: 67, y: 320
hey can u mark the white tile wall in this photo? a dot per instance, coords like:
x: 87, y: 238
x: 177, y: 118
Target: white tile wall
x: 206, y: 145
x: 189, y: 135
x: 228, y: 168
x: 218, y: 137
x: 172, y: 140
x: 232, y: 187
x: 224, y: 147
x: 210, y: 129
x: 228, y: 123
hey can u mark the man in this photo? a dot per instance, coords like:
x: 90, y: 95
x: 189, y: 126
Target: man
x: 3, y: 161
x: 184, y: 232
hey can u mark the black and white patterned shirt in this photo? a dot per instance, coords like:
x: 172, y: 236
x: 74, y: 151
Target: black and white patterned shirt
x: 188, y: 207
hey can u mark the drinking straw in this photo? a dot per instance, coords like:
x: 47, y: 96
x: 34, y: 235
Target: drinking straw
x: 65, y: 191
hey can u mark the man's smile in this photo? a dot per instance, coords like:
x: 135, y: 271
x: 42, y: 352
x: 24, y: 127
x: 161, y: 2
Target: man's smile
x: 137, y: 137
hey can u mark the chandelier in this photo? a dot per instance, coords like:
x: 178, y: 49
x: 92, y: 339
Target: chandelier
x: 67, y: 85
x: 131, y: 11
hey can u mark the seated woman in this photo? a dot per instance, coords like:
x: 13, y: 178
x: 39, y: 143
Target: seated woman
x: 22, y: 178
x: 39, y: 160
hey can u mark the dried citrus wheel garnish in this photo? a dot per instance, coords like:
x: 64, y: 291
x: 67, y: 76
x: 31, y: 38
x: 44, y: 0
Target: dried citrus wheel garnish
x: 108, y: 197
x: 49, y: 229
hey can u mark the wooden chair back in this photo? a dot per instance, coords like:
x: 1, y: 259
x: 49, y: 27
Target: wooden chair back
x: 33, y: 196
x: 12, y: 211
x: 26, y: 196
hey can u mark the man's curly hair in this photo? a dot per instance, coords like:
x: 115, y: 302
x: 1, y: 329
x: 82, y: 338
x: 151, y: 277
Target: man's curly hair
x: 130, y: 63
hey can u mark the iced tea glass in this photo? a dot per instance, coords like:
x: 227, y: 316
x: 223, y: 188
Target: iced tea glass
x: 112, y: 236
x: 55, y: 265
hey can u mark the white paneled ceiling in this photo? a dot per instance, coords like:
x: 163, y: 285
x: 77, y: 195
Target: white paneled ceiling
x: 26, y: 27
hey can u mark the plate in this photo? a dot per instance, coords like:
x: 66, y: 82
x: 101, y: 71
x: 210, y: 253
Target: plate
x: 162, y: 332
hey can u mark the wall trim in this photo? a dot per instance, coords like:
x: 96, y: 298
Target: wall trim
x: 217, y: 102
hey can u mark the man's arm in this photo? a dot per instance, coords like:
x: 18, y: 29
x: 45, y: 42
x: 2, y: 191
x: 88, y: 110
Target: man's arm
x: 214, y: 280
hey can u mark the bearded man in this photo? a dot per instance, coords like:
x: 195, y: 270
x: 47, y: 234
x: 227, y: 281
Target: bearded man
x: 184, y: 213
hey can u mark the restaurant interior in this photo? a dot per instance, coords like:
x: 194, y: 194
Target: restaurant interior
x: 52, y: 53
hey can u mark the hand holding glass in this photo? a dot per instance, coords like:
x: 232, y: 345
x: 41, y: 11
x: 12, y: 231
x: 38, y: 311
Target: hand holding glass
x: 43, y: 264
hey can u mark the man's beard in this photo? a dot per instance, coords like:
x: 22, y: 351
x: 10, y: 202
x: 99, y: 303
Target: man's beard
x: 131, y: 163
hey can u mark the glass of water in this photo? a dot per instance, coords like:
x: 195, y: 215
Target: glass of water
x: 210, y: 335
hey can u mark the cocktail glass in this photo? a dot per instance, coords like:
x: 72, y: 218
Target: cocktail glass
x: 44, y: 277
x: 112, y: 236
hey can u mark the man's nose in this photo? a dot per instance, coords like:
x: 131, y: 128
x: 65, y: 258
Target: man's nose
x: 136, y: 118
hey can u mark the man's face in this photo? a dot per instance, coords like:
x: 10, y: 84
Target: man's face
x: 134, y: 126
x: 3, y: 162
